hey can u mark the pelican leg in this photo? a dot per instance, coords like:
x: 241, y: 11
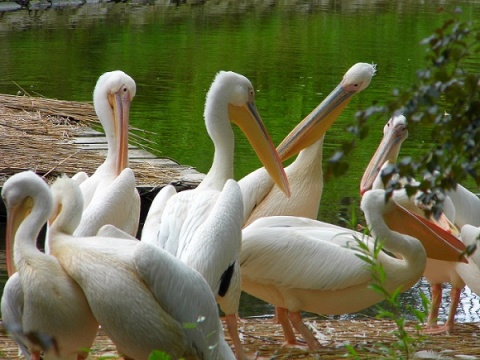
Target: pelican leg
x: 454, y: 300
x: 231, y: 320
x: 435, y: 306
x: 447, y: 328
x: 282, y: 318
x: 297, y: 322
x: 275, y: 317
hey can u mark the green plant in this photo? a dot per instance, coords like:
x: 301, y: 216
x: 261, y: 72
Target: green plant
x: 159, y: 355
x: 391, y: 308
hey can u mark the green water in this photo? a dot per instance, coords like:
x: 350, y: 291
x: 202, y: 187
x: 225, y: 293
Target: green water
x: 294, y: 53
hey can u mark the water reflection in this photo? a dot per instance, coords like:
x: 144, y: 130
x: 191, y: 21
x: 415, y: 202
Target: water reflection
x: 294, y: 52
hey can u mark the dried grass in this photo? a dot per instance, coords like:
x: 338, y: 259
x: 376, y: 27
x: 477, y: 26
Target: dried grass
x: 39, y: 134
x: 263, y: 339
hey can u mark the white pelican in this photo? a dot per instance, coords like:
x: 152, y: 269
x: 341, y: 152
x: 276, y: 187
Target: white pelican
x: 394, y: 134
x: 53, y: 303
x: 305, y: 176
x: 302, y: 264
x: 144, y: 298
x: 202, y: 226
x: 110, y: 195
x: 455, y: 205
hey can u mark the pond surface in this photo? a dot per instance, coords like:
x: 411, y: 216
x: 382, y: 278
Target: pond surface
x: 294, y: 52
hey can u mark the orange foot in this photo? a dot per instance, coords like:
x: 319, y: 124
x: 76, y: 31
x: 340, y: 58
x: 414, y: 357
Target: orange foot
x: 297, y: 345
x: 438, y: 330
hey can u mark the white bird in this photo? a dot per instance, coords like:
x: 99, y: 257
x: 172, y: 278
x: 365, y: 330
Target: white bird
x: 459, y: 204
x: 53, y: 303
x: 302, y: 264
x: 144, y: 298
x: 395, y: 132
x: 110, y: 194
x: 202, y: 226
x: 305, y: 176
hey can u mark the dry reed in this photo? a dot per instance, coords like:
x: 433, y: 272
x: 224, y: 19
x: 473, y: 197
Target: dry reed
x: 39, y: 134
x: 263, y: 339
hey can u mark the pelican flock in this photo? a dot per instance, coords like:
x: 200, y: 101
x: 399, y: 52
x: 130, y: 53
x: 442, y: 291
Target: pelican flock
x: 200, y: 248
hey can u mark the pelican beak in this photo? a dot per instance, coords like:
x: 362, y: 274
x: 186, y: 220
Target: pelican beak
x: 438, y: 243
x: 248, y: 119
x: 394, y: 135
x: 121, y: 110
x: 316, y: 124
x: 15, y: 216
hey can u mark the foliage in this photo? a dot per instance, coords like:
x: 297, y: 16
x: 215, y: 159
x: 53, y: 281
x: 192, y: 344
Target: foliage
x: 446, y: 99
x: 159, y: 355
x: 392, y: 310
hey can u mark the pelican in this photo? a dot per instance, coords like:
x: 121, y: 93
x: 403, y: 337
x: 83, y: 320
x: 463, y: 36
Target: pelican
x: 110, y: 194
x: 53, y: 303
x: 303, y: 264
x: 144, y: 298
x: 186, y: 223
x: 459, y: 205
x: 305, y: 175
x: 394, y: 134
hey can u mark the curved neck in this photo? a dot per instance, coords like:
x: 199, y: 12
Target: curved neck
x: 68, y: 205
x: 411, y: 249
x: 310, y: 158
x: 220, y: 130
x: 25, y: 244
x: 105, y: 115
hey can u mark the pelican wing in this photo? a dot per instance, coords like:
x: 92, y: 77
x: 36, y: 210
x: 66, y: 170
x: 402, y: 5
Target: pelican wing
x: 183, y: 214
x: 151, y: 228
x: 255, y: 186
x: 183, y: 293
x: 117, y: 204
x: 215, y: 244
x: 114, y: 232
x: 467, y: 206
x: 320, y: 257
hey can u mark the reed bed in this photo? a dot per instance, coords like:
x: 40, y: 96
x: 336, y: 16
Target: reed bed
x: 39, y: 134
x: 263, y: 339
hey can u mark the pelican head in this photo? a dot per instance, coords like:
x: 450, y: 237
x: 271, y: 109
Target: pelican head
x: 394, y: 133
x: 112, y: 96
x: 67, y: 201
x: 237, y: 91
x: 18, y: 194
x: 438, y: 243
x: 315, y: 125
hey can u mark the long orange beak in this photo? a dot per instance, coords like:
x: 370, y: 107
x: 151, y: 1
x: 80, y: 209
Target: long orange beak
x: 15, y: 216
x: 248, y: 119
x: 316, y: 124
x: 121, y: 110
x: 438, y: 243
x: 394, y: 133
